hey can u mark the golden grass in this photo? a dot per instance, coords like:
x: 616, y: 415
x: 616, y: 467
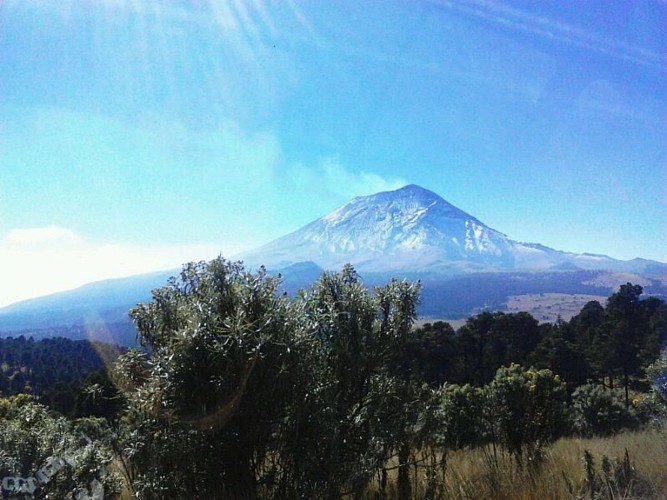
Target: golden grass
x: 473, y: 474
x: 483, y: 474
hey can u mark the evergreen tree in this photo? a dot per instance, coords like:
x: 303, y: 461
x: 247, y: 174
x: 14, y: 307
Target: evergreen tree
x: 624, y: 318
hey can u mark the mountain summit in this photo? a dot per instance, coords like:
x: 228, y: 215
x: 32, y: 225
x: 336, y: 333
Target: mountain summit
x: 414, y: 229
x: 411, y: 228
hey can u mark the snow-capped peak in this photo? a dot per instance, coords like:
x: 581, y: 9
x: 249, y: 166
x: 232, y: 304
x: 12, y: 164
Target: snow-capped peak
x: 408, y: 227
x: 413, y: 229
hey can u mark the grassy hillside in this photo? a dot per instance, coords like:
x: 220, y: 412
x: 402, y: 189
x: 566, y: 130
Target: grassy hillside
x: 563, y: 473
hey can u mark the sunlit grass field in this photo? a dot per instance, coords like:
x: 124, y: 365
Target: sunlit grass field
x: 483, y: 474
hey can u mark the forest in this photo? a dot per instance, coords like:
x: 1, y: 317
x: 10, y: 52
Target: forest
x: 240, y: 391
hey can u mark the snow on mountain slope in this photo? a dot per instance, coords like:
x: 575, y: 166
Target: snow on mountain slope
x: 391, y: 230
x: 414, y: 229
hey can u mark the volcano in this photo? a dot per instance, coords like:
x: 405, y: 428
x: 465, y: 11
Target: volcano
x: 413, y: 229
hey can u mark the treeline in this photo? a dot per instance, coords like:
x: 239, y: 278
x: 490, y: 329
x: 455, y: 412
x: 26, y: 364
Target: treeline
x: 243, y: 392
x: 63, y: 374
x: 110, y: 332
x: 610, y: 346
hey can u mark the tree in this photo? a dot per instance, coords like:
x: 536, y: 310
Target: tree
x: 514, y: 336
x: 343, y: 316
x: 227, y: 358
x: 245, y: 393
x: 591, y: 340
x: 432, y: 350
x: 488, y: 341
x: 624, y: 327
x: 398, y: 309
x: 470, y: 343
x: 368, y: 400
x: 559, y: 353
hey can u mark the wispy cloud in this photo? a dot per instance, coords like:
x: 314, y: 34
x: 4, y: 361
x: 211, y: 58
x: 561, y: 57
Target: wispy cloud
x: 551, y: 29
x: 40, y: 261
x: 603, y: 100
x: 333, y: 178
x: 48, y: 234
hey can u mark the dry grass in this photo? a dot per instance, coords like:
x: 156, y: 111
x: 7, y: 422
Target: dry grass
x: 481, y: 474
x: 613, y: 280
x: 455, y: 323
x: 473, y: 474
x: 548, y: 307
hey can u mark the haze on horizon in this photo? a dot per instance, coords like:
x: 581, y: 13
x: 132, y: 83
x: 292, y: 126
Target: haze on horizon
x: 135, y: 136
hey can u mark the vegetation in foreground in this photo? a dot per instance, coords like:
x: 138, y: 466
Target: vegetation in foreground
x: 243, y: 393
x: 630, y: 464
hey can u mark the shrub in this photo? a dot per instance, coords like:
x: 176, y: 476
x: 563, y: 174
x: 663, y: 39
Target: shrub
x: 462, y: 413
x: 528, y: 410
x: 655, y: 402
x: 51, y: 456
x: 597, y: 411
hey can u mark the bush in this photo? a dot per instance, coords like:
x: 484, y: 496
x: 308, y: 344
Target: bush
x: 51, y: 456
x: 655, y: 402
x: 597, y: 411
x: 528, y: 410
x: 245, y: 393
x: 462, y: 415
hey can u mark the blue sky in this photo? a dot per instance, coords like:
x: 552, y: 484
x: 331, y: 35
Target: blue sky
x: 138, y: 135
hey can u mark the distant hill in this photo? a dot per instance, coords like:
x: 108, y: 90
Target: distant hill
x: 97, y: 311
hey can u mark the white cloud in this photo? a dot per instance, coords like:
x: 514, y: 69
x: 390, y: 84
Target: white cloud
x: 361, y: 183
x: 40, y: 261
x: 48, y: 234
x: 332, y: 177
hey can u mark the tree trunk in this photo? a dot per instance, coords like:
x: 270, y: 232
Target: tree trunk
x: 383, y: 483
x: 404, y: 473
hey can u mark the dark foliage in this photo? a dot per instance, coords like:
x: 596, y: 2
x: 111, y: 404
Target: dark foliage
x: 609, y: 345
x: 69, y: 376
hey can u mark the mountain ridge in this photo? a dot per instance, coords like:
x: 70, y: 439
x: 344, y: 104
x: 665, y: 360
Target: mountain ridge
x: 415, y: 229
